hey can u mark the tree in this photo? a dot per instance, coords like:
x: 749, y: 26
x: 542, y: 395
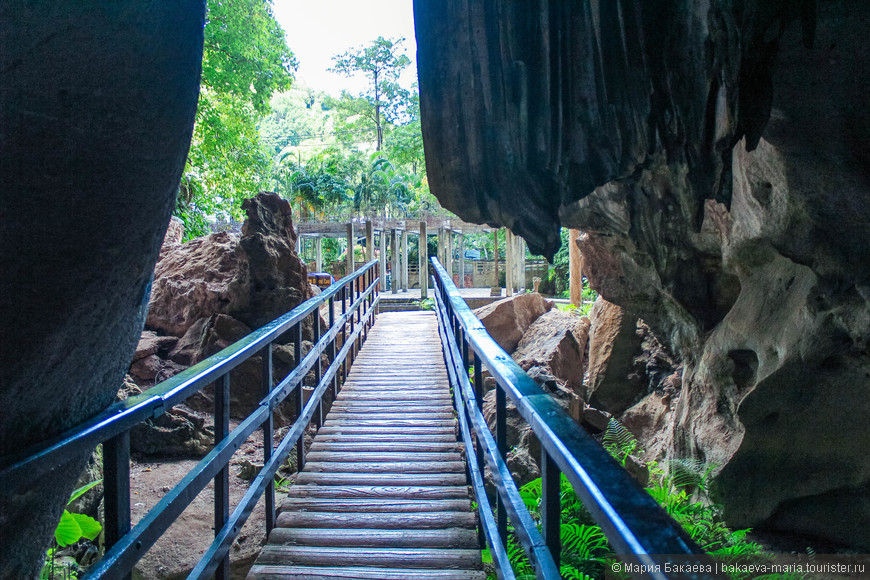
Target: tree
x: 245, y: 60
x: 381, y: 63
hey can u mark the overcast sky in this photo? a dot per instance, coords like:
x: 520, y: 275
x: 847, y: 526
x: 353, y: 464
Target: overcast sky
x: 319, y: 29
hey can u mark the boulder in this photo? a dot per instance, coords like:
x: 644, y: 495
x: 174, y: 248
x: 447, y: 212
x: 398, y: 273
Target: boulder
x: 506, y: 320
x: 613, y: 345
x: 254, y: 278
x: 150, y: 344
x: 551, y: 342
x: 205, y: 276
x: 276, y: 279
x: 180, y: 432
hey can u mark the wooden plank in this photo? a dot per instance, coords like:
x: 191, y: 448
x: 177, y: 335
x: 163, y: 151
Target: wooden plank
x: 382, y: 456
x: 394, y: 396
x: 385, y: 557
x: 387, y: 446
x: 378, y: 491
x: 389, y: 521
x: 270, y: 572
x: 374, y: 505
x: 317, y: 478
x: 385, y: 467
x: 373, y: 407
x: 372, y: 538
x: 351, y: 437
x: 402, y: 423
x: 359, y: 429
x: 375, y: 416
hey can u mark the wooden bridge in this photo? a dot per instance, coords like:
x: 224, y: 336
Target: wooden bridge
x: 387, y: 488
x: 383, y: 493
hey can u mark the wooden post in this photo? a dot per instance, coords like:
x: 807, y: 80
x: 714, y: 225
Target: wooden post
x: 318, y: 254
x: 423, y: 258
x: 521, y: 262
x: 370, y: 241
x: 496, y: 286
x: 350, y: 242
x: 383, y: 259
x: 299, y: 246
x: 394, y: 277
x: 508, y: 263
x: 404, y: 256
x: 461, y: 261
x: 575, y: 274
x: 448, y: 249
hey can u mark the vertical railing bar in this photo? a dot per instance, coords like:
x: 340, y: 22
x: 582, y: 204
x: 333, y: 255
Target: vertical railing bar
x: 331, y: 351
x: 222, y: 479
x: 116, y: 485
x: 501, y: 443
x: 551, y: 502
x: 297, y: 357
x: 318, y: 370
x: 268, y: 440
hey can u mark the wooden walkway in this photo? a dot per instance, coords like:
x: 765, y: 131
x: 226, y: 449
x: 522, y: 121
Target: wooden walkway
x: 383, y: 494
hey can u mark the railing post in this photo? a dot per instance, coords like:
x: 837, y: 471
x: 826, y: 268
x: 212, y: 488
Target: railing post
x: 501, y: 443
x: 297, y: 357
x: 318, y: 372
x: 268, y: 442
x: 344, y: 332
x: 116, y: 483
x: 222, y: 479
x: 551, y: 504
x: 331, y: 349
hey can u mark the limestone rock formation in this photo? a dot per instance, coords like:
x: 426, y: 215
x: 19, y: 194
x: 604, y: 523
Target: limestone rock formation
x: 97, y: 103
x: 192, y: 281
x: 716, y: 155
x: 254, y: 278
x: 551, y: 342
x: 613, y: 344
x: 507, y: 320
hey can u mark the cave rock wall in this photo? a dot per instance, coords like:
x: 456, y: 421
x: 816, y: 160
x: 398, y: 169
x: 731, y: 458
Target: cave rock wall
x: 716, y: 156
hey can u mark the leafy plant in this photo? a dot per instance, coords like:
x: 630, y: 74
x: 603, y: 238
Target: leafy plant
x: 72, y: 528
x: 619, y: 441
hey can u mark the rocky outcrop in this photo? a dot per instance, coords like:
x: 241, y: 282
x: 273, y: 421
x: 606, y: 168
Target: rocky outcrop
x: 192, y: 281
x: 507, y: 320
x: 716, y: 157
x: 205, y: 294
x: 613, y: 344
x: 253, y: 278
x: 551, y: 343
x: 97, y: 105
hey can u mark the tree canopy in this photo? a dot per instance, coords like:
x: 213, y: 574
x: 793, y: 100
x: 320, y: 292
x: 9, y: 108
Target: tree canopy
x: 245, y: 60
x: 381, y: 62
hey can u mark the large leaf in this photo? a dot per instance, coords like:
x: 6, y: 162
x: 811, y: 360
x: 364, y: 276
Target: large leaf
x: 74, y: 527
x: 90, y: 527
x: 68, y: 530
x: 83, y: 490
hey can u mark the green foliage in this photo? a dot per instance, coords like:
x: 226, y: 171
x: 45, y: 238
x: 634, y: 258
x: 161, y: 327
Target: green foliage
x: 72, y: 527
x: 619, y: 441
x: 682, y: 491
x: 245, y: 60
x: 381, y: 63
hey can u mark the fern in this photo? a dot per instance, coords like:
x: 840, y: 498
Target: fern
x: 619, y: 441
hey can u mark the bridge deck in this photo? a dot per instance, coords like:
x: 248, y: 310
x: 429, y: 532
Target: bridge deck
x: 383, y: 494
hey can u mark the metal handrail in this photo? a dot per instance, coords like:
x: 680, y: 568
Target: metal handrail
x: 112, y: 426
x: 633, y: 522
